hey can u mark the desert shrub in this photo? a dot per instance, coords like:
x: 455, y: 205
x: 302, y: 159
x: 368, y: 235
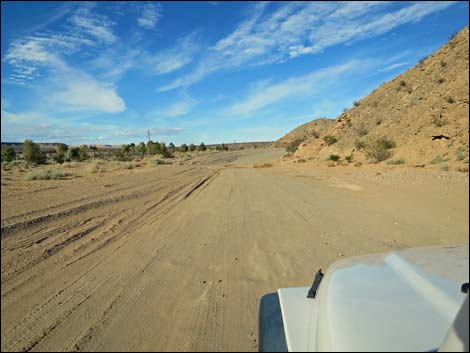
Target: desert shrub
x: 183, y: 148
x: 265, y: 165
x: 166, y: 153
x: 292, y: 147
x: 396, y: 161
x: 315, y: 134
x: 83, y: 152
x: 450, y: 100
x: 378, y: 121
x: 441, y: 80
x: 122, y: 156
x: 186, y: 157
x: 72, y: 154
x: 301, y: 160
x: 360, y: 145
x: 140, y: 149
x: 192, y: 147
x: 349, y: 158
x: 445, y: 167
x: 46, y: 174
x: 443, y: 63
x: 223, y: 147
x: 154, y: 162
x: 460, y: 153
x: 93, y: 168
x: 334, y: 157
x: 329, y: 139
x: 422, y: 60
x: 8, y: 154
x: 32, y: 152
x: 362, y: 131
x: 59, y: 158
x: 356, y: 103
x: 357, y: 164
x: 379, y: 149
x: 385, y: 143
x: 127, y: 165
x: 439, y: 159
x: 202, y: 147
x: 402, y: 83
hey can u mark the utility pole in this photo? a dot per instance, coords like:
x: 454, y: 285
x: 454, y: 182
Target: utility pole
x: 148, y: 135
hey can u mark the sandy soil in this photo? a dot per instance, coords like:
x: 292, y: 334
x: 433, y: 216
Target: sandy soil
x: 176, y: 257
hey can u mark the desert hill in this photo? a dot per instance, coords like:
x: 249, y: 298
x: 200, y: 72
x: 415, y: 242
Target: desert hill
x: 312, y: 130
x: 421, y: 117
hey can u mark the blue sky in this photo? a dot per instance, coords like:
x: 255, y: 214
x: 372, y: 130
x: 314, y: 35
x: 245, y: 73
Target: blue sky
x: 105, y: 72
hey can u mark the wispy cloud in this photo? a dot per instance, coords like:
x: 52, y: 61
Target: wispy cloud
x: 150, y: 15
x: 292, y: 87
x: 393, y: 66
x: 181, y: 107
x: 172, y: 59
x: 97, y: 26
x: 300, y: 28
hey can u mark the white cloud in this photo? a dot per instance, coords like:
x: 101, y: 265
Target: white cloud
x: 82, y: 92
x: 181, y: 107
x: 292, y: 87
x: 393, y: 66
x: 97, y: 26
x: 151, y: 14
x: 170, y: 60
x: 301, y: 28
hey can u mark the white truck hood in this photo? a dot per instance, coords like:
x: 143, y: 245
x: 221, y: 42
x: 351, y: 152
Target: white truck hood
x: 400, y: 301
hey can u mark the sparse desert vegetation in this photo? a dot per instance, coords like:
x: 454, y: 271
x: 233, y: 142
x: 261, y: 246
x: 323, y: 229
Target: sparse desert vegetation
x: 46, y: 174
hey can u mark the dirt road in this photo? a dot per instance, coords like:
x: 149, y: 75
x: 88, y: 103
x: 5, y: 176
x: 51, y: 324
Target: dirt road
x: 176, y: 257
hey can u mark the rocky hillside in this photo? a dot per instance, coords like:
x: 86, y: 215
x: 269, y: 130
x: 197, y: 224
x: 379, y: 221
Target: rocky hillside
x: 419, y: 118
x: 306, y: 132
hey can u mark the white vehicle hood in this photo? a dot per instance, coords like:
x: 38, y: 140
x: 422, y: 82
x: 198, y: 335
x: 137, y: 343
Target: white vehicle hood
x: 400, y: 301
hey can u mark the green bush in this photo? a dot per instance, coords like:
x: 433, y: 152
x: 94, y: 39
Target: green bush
x: 59, y: 158
x: 292, y: 147
x: 334, y: 157
x: 362, y: 131
x: 192, y: 147
x: 379, y: 149
x: 360, y: 145
x: 154, y: 162
x: 46, y: 174
x: 126, y: 165
x: 450, y: 100
x: 396, y: 161
x: 439, y: 159
x: 183, y: 148
x: 402, y: 83
x: 73, y: 154
x: 202, y: 147
x: 32, y: 152
x: 8, y: 154
x: 329, y: 139
x: 460, y: 154
x: 349, y: 158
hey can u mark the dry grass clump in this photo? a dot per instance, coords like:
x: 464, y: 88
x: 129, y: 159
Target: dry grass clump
x: 264, y: 165
x: 46, y: 174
